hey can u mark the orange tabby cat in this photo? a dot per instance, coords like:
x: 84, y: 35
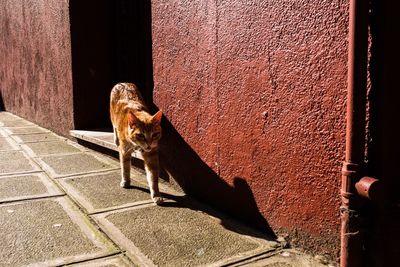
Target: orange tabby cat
x: 135, y: 129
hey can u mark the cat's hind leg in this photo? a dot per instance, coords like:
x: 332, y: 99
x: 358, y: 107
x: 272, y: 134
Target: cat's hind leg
x: 125, y: 160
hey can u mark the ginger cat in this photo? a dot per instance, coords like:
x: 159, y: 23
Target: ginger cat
x: 135, y: 129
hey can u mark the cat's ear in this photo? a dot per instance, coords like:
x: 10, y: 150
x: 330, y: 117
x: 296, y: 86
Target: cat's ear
x: 157, y: 117
x: 132, y: 119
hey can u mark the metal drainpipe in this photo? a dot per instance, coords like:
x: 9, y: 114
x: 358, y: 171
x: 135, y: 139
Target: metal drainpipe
x: 351, y: 222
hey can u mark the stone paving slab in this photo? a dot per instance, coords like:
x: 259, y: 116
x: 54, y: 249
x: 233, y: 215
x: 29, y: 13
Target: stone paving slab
x: 7, y: 144
x: 25, y: 130
x: 114, y: 261
x: 101, y: 191
x: 3, y: 133
x: 286, y: 258
x: 15, y: 162
x: 48, y: 232
x: 40, y: 228
x: 175, y: 235
x: 22, y: 187
x: 7, y: 116
x: 51, y: 148
x: 58, y: 166
x: 10, y: 120
x: 33, y: 138
x: 16, y: 123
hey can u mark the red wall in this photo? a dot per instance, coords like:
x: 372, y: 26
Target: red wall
x: 255, y: 91
x: 35, y: 62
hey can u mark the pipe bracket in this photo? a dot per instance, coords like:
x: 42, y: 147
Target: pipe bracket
x: 351, y: 169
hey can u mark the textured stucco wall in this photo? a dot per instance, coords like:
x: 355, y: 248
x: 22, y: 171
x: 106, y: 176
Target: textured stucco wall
x: 256, y: 91
x: 35, y: 62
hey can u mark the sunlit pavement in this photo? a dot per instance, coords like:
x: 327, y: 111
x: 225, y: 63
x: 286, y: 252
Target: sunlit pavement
x: 61, y: 204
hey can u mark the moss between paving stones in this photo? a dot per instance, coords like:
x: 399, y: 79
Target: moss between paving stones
x: 176, y: 236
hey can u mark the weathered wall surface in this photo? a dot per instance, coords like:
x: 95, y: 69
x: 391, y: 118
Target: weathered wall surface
x: 254, y: 97
x: 35, y: 62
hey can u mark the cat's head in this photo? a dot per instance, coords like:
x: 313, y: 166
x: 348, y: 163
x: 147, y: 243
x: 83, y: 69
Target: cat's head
x: 145, y: 131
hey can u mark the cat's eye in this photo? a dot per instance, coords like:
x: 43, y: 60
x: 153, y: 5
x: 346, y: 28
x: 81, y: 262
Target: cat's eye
x: 155, y: 135
x: 140, y: 136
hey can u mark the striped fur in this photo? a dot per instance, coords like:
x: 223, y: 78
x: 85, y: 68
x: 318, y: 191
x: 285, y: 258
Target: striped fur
x: 135, y: 129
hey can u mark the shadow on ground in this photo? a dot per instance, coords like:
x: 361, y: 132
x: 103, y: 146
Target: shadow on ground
x: 129, y: 59
x: 187, y: 169
x: 199, y: 181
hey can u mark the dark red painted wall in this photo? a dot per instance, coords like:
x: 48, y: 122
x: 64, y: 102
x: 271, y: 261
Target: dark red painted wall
x: 253, y: 93
x: 256, y: 91
x: 35, y: 62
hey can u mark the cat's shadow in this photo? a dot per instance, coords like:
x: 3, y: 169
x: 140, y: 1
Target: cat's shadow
x: 184, y: 166
x: 187, y: 202
x: 202, y: 185
x: 228, y: 222
x: 134, y: 187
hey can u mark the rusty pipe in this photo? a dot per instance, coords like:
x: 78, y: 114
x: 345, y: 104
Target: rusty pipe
x: 370, y: 188
x: 351, y: 254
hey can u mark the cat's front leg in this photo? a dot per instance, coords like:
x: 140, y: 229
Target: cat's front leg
x: 116, y: 139
x: 151, y: 165
x: 125, y: 160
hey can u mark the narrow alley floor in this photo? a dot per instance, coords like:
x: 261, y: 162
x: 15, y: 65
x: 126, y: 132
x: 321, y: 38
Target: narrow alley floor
x: 61, y: 204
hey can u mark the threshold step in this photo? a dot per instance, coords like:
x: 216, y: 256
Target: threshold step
x: 101, y: 138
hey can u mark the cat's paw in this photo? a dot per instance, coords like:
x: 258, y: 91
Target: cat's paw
x: 158, y: 200
x: 125, y: 184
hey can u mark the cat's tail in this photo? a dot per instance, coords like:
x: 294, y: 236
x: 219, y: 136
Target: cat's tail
x: 116, y: 93
x: 114, y: 97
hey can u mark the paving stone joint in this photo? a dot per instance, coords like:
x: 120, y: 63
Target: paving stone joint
x: 61, y: 204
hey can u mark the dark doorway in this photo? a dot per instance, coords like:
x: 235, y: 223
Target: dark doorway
x: 2, y: 108
x: 384, y: 141
x: 111, y: 42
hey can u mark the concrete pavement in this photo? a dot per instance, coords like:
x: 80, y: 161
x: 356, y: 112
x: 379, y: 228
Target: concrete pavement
x: 61, y: 204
